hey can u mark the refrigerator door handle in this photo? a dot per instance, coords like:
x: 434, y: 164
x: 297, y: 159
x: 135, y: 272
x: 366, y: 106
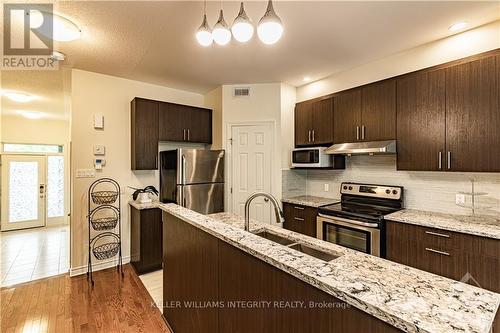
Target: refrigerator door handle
x: 183, y: 169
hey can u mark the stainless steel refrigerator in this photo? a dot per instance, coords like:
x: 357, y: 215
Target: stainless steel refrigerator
x: 193, y: 178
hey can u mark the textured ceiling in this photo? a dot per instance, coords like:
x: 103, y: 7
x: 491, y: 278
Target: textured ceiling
x: 154, y: 41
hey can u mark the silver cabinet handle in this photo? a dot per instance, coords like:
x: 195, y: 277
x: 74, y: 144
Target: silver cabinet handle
x: 363, y: 132
x: 437, y: 251
x: 449, y: 160
x: 298, y: 219
x: 313, y: 135
x: 299, y: 208
x: 189, y: 139
x: 357, y: 132
x: 437, y: 234
x: 184, y: 135
x: 309, y: 135
x: 440, y: 160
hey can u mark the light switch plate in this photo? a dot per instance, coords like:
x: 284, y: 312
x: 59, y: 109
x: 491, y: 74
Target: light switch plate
x: 326, y: 187
x: 460, y: 199
x: 98, y: 121
x: 85, y: 173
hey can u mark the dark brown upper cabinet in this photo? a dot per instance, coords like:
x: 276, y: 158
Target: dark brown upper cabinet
x: 144, y: 128
x: 421, y: 112
x: 154, y: 121
x: 378, y: 115
x: 185, y: 123
x: 347, y: 116
x: 314, y: 123
x: 473, y: 116
x: 303, y: 124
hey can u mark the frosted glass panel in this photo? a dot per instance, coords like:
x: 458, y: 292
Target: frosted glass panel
x: 55, y: 186
x: 23, y: 191
x: 29, y: 148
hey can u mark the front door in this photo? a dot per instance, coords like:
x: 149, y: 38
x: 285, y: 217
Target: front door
x: 23, y: 191
x: 251, y: 169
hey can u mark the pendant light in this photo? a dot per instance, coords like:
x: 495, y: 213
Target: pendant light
x: 270, y: 28
x: 221, y: 33
x: 204, y: 34
x: 242, y: 28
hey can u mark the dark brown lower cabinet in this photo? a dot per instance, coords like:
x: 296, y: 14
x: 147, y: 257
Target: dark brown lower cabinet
x: 245, y: 293
x: 301, y: 219
x: 471, y: 259
x: 146, y: 239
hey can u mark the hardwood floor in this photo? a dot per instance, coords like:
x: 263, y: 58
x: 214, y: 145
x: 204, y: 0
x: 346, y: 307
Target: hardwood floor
x: 64, y: 304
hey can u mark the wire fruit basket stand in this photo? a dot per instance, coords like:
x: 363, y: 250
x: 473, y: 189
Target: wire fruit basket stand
x: 104, y: 219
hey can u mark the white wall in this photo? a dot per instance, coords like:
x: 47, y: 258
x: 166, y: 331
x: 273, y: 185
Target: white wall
x: 475, y: 41
x: 94, y: 93
x: 263, y: 104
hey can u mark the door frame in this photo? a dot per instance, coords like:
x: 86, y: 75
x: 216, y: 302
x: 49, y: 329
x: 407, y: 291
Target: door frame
x: 229, y: 156
x: 66, y: 218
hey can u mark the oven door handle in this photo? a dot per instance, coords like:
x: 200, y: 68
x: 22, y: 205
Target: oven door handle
x: 353, y: 222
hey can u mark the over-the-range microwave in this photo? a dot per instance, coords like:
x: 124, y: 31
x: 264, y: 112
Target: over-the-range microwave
x: 311, y: 157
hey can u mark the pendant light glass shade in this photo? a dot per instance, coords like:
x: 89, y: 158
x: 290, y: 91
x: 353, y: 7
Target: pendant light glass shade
x: 204, y: 34
x: 270, y: 28
x: 242, y: 28
x: 221, y: 33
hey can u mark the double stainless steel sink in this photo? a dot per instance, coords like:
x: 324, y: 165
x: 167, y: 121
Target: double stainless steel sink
x: 296, y: 246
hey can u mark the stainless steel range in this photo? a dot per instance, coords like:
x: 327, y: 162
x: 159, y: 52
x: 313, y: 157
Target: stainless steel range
x: 357, y: 222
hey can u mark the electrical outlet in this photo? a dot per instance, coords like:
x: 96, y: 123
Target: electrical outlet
x: 460, y: 199
x: 327, y: 187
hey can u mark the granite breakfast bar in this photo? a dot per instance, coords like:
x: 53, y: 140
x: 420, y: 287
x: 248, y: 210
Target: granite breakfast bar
x: 386, y: 296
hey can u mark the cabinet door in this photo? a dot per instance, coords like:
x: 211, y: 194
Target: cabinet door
x: 322, y: 122
x: 378, y: 117
x: 300, y: 219
x: 421, y: 121
x: 144, y: 136
x: 199, y: 125
x: 172, y: 122
x: 347, y: 116
x: 473, y: 116
x: 303, y: 124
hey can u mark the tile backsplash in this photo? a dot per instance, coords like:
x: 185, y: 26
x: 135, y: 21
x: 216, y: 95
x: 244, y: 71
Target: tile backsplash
x: 431, y: 191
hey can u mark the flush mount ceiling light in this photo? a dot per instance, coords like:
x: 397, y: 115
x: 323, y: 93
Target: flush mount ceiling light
x: 270, y: 28
x: 457, y: 26
x: 59, y: 56
x: 30, y: 114
x: 63, y: 30
x: 242, y: 28
x: 204, y: 33
x: 221, y: 33
x: 19, y: 97
x: 306, y: 79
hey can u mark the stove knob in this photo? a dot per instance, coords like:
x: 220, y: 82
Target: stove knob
x: 350, y: 188
x: 345, y: 187
x: 394, y: 192
x: 388, y: 191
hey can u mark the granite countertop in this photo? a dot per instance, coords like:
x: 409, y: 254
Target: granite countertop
x: 485, y: 226
x: 310, y: 200
x: 140, y: 206
x: 410, y: 299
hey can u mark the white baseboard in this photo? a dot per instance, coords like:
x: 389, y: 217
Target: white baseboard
x: 97, y: 266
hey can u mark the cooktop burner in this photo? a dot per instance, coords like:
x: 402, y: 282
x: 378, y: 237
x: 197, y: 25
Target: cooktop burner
x: 357, y: 210
x: 366, y: 202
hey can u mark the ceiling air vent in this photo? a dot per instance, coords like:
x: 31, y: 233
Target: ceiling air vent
x: 241, y: 92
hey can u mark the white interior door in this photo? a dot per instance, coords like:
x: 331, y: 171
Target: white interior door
x: 23, y: 191
x: 251, y: 152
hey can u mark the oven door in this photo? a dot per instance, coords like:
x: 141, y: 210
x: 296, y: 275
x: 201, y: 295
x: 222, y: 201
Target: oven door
x: 359, y: 236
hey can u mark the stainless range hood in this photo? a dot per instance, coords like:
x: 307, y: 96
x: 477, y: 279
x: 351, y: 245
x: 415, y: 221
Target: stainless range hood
x: 363, y: 148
